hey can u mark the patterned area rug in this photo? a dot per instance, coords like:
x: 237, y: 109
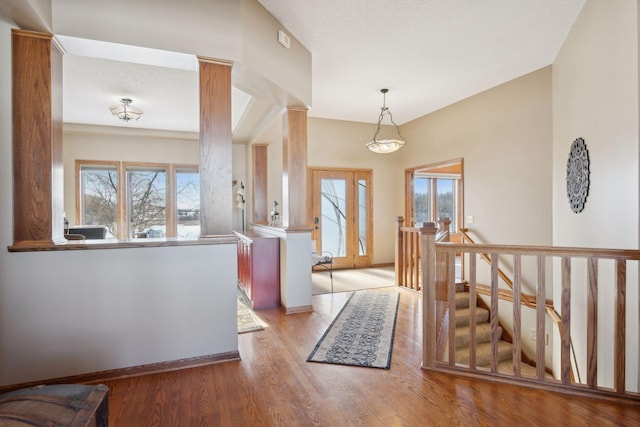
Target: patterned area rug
x: 362, y: 333
x: 247, y: 319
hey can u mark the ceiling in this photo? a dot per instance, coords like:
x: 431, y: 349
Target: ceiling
x: 428, y: 53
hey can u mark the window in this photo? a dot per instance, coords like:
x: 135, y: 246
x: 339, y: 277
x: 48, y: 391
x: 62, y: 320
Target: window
x: 136, y: 200
x: 98, y: 204
x: 434, y: 192
x: 435, y: 198
x: 188, y: 203
x: 147, y: 202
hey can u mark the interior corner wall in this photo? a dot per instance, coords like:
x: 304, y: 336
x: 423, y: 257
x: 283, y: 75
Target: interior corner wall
x: 288, y: 68
x: 504, y: 137
x: 595, y: 97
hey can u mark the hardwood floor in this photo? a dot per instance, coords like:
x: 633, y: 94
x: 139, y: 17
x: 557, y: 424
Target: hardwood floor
x: 273, y: 385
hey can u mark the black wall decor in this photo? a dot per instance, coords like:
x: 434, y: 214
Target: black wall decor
x: 578, y: 175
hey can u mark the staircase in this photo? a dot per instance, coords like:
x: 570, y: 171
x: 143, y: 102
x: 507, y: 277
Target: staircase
x: 483, y: 338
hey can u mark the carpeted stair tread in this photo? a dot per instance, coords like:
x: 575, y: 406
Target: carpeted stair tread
x: 462, y: 300
x: 483, y: 353
x: 462, y: 316
x: 483, y: 334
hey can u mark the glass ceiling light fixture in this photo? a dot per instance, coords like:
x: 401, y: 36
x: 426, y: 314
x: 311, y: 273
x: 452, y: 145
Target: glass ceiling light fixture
x: 125, y: 111
x: 384, y: 146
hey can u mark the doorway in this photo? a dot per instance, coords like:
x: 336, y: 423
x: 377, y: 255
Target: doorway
x: 435, y: 191
x: 341, y: 215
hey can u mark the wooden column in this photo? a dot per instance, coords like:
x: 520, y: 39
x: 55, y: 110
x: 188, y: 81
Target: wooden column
x: 37, y: 139
x: 216, y: 192
x: 294, y: 169
x: 429, y: 325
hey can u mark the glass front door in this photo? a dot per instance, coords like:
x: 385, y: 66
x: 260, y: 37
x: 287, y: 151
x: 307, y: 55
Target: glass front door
x: 341, y: 209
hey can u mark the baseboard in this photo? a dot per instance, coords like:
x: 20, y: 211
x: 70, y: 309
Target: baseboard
x: 298, y: 309
x: 133, y: 371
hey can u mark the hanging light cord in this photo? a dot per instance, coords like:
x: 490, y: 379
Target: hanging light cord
x: 382, y: 111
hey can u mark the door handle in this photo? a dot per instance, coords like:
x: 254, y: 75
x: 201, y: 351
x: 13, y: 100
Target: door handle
x: 315, y: 222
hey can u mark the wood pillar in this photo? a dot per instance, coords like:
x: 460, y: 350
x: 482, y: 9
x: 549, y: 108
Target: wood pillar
x: 429, y: 325
x: 37, y: 139
x: 216, y: 192
x: 294, y: 169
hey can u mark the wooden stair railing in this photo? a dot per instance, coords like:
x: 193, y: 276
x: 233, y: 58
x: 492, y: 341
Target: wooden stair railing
x: 408, y: 253
x: 526, y: 300
x: 610, y: 388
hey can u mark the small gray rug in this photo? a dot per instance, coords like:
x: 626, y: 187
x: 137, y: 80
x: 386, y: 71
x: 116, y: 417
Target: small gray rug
x: 362, y: 333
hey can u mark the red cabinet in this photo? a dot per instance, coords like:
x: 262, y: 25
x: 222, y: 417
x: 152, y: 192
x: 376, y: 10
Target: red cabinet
x: 259, y: 268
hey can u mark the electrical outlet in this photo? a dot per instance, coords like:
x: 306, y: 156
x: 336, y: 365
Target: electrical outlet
x: 533, y: 336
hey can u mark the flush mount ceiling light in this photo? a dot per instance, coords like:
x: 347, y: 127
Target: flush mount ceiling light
x: 383, y: 146
x: 125, y: 111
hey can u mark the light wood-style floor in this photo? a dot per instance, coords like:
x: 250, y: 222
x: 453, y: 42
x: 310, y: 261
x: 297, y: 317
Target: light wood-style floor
x: 273, y: 385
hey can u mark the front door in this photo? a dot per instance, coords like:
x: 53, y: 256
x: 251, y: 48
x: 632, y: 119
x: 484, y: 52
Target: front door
x: 341, y: 215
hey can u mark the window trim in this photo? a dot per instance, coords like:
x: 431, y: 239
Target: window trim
x: 79, y: 205
x: 444, y: 172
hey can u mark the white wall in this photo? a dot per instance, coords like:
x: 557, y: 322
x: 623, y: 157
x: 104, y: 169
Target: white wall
x: 70, y: 312
x: 73, y: 312
x: 595, y: 96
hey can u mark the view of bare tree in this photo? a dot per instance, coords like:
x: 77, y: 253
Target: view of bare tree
x: 147, y: 199
x: 100, y: 189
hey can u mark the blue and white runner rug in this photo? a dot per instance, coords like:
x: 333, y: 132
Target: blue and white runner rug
x: 362, y: 333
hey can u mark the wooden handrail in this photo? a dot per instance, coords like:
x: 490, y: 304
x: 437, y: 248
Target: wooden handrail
x: 430, y: 276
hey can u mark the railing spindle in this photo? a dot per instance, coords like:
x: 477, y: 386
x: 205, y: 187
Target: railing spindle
x: 472, y: 310
x: 565, y: 330
x: 452, y: 310
x: 592, y: 324
x: 494, y: 313
x: 620, y: 326
x: 540, y: 319
x: 517, y: 322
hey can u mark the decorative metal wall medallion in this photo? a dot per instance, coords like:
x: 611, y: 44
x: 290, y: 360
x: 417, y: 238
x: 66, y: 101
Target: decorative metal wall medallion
x: 578, y: 175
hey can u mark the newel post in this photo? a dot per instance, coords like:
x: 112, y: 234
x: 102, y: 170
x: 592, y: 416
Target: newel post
x: 399, y: 253
x: 428, y: 246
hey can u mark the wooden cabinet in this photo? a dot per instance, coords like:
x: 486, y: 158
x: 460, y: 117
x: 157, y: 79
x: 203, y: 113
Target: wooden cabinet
x: 259, y: 268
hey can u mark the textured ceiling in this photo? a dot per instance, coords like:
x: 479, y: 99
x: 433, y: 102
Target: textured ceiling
x: 429, y: 53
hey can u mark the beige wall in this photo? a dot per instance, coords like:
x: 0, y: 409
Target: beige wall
x: 504, y: 137
x: 595, y: 96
